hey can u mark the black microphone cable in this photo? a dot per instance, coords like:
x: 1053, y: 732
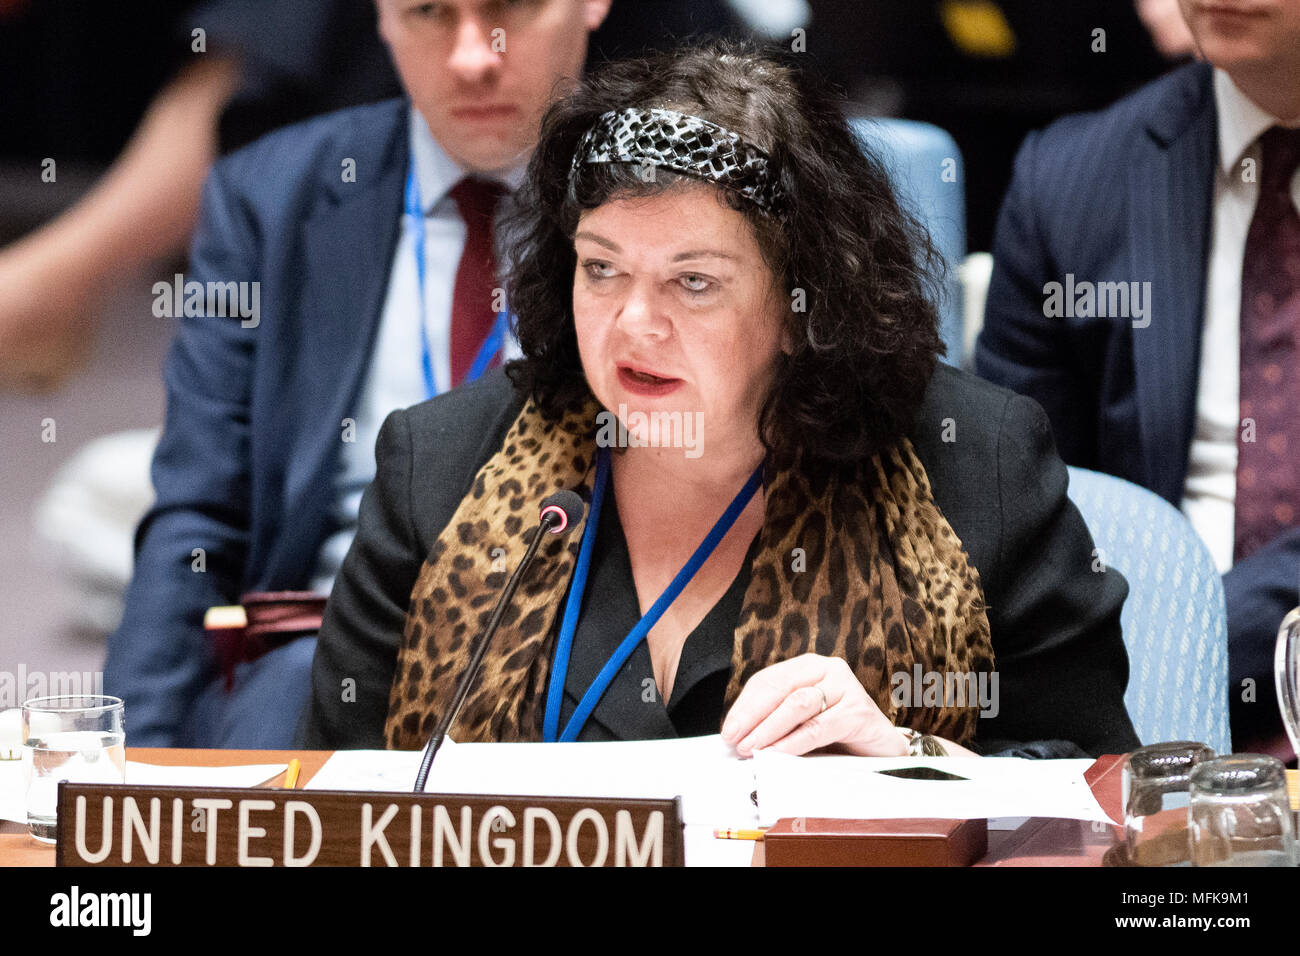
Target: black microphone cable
x: 559, y: 513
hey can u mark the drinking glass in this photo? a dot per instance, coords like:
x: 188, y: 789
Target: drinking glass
x: 1240, y: 814
x: 76, y: 738
x: 1156, y: 783
x: 1286, y: 672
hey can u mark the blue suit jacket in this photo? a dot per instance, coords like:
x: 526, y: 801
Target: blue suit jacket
x: 254, y: 415
x: 1123, y: 195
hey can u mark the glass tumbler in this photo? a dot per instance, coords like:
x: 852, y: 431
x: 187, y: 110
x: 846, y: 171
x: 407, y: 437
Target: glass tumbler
x: 1286, y: 673
x: 75, y: 738
x: 1240, y: 814
x: 1156, y: 785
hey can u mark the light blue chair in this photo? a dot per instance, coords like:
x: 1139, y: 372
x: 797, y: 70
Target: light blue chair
x: 926, y: 169
x: 1175, y: 626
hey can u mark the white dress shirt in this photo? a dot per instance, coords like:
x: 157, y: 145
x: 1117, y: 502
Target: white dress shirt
x: 1209, y: 497
x: 394, y: 376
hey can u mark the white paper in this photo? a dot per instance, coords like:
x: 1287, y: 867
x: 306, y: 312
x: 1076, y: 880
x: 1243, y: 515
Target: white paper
x: 13, y: 791
x: 851, y: 788
x: 13, y: 780
x: 371, y: 770
x: 160, y: 775
x: 704, y: 849
x: 714, y: 784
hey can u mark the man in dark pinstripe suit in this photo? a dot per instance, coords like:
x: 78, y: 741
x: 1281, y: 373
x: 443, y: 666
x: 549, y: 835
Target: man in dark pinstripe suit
x: 1190, y: 185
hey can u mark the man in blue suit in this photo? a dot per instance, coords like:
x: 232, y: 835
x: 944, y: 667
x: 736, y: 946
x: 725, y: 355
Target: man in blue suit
x: 360, y: 247
x: 1146, y: 292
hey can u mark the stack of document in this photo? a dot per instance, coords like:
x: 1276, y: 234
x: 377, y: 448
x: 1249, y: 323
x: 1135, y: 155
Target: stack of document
x: 970, y: 788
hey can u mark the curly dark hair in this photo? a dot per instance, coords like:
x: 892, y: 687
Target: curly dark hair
x: 866, y: 342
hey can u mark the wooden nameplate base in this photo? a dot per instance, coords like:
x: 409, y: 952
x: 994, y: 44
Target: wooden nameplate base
x: 125, y: 825
x: 814, y: 841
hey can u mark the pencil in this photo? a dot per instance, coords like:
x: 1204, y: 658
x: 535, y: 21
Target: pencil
x: 738, y: 834
x: 291, y: 775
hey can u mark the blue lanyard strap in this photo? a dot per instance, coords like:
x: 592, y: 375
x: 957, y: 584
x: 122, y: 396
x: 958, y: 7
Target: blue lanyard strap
x: 491, y: 347
x: 495, y: 341
x: 569, y: 623
x: 572, y: 607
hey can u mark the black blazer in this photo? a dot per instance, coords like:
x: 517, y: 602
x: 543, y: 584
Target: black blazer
x: 1055, y: 623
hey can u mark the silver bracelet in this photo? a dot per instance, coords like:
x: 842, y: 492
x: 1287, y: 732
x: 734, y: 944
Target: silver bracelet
x: 922, y: 745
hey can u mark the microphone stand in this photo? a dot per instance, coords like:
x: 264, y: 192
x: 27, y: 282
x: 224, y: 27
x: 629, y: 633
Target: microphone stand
x: 549, y: 519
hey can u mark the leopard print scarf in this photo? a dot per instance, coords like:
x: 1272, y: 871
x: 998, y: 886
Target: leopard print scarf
x: 869, y: 571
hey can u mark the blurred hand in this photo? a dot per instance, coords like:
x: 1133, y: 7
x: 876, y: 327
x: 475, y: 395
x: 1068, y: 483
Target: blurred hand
x: 53, y: 281
x: 46, y: 325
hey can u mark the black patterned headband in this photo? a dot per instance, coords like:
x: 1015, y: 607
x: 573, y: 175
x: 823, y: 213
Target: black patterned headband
x: 684, y: 144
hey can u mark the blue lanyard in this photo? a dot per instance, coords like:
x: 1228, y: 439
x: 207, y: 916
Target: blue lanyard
x: 495, y: 341
x: 569, y: 623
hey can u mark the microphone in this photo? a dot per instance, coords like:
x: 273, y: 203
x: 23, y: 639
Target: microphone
x: 567, y: 505
x: 558, y: 514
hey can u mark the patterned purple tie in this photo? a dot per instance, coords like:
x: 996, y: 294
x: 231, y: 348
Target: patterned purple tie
x: 1268, y: 468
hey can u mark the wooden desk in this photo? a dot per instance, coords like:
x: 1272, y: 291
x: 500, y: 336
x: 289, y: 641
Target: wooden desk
x: 1054, y: 842
x: 1039, y: 842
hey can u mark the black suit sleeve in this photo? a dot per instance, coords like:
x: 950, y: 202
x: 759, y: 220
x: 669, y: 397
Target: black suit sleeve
x: 356, y: 652
x: 1259, y: 592
x: 1060, y: 656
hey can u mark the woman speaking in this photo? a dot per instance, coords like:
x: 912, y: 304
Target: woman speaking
x: 801, y: 530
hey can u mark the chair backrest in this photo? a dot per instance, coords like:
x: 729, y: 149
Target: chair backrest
x: 926, y: 169
x: 1175, y: 625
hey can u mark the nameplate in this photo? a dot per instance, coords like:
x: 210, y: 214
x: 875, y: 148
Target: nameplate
x: 124, y: 825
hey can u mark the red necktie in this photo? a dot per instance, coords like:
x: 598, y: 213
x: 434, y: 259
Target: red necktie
x: 472, y: 315
x: 1268, y: 468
